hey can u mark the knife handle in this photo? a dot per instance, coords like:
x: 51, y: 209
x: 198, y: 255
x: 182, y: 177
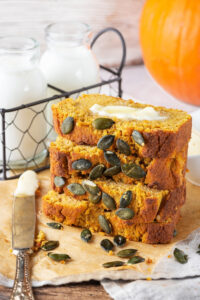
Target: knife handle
x: 22, y: 286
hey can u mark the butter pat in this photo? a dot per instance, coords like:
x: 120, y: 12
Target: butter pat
x: 127, y: 113
x: 27, y: 184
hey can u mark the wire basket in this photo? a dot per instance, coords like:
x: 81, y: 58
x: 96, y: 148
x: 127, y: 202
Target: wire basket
x: 111, y: 84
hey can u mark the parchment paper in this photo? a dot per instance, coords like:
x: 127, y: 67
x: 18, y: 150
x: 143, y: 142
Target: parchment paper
x: 87, y: 259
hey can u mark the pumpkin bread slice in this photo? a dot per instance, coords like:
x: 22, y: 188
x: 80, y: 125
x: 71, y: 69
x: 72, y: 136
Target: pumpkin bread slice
x: 161, y: 173
x: 148, y: 204
x: 63, y: 208
x: 162, y: 138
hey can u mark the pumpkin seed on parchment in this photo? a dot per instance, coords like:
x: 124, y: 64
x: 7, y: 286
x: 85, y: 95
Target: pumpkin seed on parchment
x: 86, y: 235
x: 126, y: 253
x: 59, y: 256
x: 107, y: 245
x: 112, y: 264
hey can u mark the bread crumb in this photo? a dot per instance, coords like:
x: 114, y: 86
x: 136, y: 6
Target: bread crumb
x: 110, y: 252
x: 39, y: 240
x: 149, y: 261
x: 170, y: 256
x: 102, y: 233
x: 158, y: 218
x: 149, y: 269
x: 148, y: 278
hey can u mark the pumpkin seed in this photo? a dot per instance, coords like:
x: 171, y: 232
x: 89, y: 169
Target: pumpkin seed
x: 59, y: 181
x: 112, y: 158
x: 94, y: 198
x: 102, y: 123
x: 199, y: 246
x: 123, y: 147
x: 81, y: 164
x: 112, y: 264
x: 125, y: 213
x: 126, y: 199
x: 67, y: 125
x: 119, y: 240
x: 134, y: 171
x: 135, y: 260
x: 50, y: 245
x: 105, y: 142
x: 97, y: 172
x: 175, y: 233
x: 138, y: 138
x: 108, y: 201
x: 59, y: 256
x: 198, y: 252
x: 90, y: 187
x: 126, y: 253
x: 76, y: 189
x: 104, y: 224
x: 180, y: 256
x: 107, y: 245
x: 112, y: 171
x: 55, y: 225
x: 86, y: 235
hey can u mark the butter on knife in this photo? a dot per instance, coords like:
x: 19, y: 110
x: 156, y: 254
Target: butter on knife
x: 23, y: 220
x: 27, y: 184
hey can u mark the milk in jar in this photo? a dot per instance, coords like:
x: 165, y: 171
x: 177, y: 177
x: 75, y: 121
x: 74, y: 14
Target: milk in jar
x: 21, y: 82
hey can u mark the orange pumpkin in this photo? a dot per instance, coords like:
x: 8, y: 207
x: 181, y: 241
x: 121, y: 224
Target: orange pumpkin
x: 170, y: 41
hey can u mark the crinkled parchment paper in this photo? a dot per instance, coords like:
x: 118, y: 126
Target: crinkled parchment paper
x: 87, y: 259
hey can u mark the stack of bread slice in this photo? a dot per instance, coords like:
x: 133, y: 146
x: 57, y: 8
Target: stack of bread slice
x: 118, y: 175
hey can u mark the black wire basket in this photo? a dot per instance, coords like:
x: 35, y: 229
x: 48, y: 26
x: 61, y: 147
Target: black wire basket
x: 111, y: 84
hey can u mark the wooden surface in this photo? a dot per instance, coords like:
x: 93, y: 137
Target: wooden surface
x: 30, y: 17
x: 83, y: 291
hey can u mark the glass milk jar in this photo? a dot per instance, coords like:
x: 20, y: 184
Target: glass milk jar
x: 68, y: 63
x: 21, y: 82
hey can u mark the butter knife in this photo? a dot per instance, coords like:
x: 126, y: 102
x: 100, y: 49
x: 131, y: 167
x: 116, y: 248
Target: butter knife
x: 23, y: 233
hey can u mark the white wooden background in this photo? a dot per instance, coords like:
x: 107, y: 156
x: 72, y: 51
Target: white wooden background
x: 30, y: 17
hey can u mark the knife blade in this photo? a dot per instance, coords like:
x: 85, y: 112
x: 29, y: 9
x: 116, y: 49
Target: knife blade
x: 23, y: 225
x: 23, y: 232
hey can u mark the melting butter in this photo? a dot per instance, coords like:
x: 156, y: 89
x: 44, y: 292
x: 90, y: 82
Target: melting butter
x: 127, y: 113
x: 27, y: 184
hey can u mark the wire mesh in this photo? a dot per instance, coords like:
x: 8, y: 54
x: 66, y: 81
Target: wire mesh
x: 27, y: 147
